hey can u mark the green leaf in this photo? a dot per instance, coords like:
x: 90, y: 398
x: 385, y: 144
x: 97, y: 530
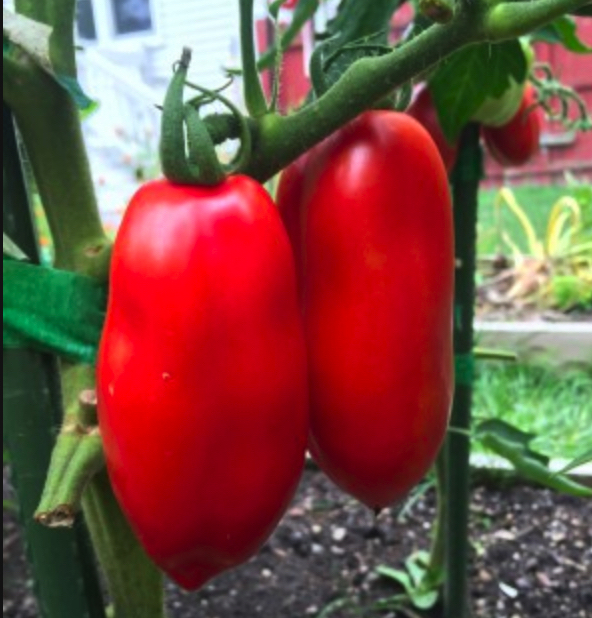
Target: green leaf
x: 563, y: 31
x: 512, y: 444
x: 424, y: 599
x: 461, y: 83
x: 578, y: 461
x: 84, y: 103
x: 416, y: 565
x: 401, y: 577
x: 355, y: 20
x: 12, y: 250
x: 52, y: 310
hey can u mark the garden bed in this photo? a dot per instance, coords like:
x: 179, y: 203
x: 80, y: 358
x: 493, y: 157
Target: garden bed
x: 532, y: 557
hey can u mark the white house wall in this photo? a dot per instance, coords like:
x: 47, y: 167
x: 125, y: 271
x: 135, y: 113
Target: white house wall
x: 209, y: 27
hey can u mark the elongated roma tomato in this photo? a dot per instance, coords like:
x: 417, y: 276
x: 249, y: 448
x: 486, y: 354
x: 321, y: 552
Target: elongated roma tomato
x: 517, y: 141
x: 370, y: 218
x: 202, y: 374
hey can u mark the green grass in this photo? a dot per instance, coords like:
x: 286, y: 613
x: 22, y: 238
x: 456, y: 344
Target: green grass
x: 556, y: 407
x: 537, y: 202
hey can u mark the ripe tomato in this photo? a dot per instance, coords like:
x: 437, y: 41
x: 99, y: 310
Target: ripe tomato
x: 370, y: 218
x: 518, y: 141
x: 202, y: 374
x: 423, y: 110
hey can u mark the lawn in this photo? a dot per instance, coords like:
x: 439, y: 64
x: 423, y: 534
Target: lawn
x: 554, y: 406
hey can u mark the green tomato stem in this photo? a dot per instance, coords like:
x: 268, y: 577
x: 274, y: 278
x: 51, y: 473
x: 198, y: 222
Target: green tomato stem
x: 506, y: 20
x: 253, y: 90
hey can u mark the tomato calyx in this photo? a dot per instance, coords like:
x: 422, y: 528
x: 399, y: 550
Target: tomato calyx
x: 187, y: 150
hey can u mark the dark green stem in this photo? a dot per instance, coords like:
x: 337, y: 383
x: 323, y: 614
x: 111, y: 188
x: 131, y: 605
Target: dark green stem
x: 253, y: 90
x: 49, y: 123
x: 77, y: 456
x: 465, y: 187
x: 437, y: 550
x: 61, y: 41
x: 508, y: 20
x: 63, y: 567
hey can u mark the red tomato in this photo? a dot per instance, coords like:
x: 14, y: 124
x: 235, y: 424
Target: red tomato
x: 202, y: 374
x: 518, y: 141
x: 370, y: 219
x: 423, y: 110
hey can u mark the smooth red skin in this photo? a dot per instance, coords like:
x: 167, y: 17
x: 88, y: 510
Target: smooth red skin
x: 516, y: 142
x: 202, y: 374
x: 423, y: 110
x: 370, y: 218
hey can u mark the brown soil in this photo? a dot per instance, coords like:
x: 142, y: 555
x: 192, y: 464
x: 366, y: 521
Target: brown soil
x: 531, y: 558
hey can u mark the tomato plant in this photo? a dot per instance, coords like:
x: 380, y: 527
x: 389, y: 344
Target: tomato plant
x: 369, y: 215
x: 517, y: 141
x: 201, y: 374
x: 423, y: 110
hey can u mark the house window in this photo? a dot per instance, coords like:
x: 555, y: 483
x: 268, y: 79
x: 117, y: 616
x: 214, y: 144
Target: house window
x: 85, y: 20
x: 132, y: 16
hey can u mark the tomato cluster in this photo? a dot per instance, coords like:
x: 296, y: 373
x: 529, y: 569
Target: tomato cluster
x: 231, y: 346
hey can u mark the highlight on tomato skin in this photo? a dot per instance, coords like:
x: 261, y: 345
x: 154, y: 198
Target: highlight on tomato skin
x: 423, y: 110
x: 516, y: 142
x: 201, y: 376
x: 369, y: 215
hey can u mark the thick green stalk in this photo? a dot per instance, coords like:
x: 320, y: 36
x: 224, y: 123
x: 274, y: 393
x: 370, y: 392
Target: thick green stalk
x: 465, y: 187
x: 50, y: 126
x: 507, y: 20
x: 49, y: 123
x: 61, y: 42
x: 62, y: 564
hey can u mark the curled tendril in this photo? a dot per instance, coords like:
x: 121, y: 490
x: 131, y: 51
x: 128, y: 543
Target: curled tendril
x: 551, y: 90
x: 205, y: 99
x: 210, y: 96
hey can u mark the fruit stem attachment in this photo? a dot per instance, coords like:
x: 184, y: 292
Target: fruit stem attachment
x: 241, y: 159
x: 187, y: 153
